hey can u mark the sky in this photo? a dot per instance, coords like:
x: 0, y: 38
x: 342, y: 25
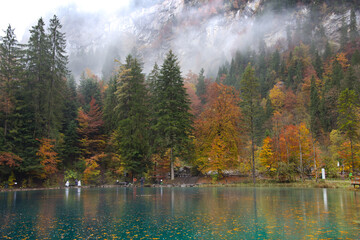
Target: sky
x: 22, y: 14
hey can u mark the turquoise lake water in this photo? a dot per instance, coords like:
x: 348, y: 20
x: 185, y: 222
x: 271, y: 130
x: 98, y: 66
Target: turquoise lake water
x: 180, y: 213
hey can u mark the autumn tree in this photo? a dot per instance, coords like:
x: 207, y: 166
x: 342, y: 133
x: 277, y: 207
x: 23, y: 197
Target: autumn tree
x: 266, y: 155
x: 48, y: 157
x: 91, y: 140
x: 9, y: 162
x: 348, y: 119
x: 218, y: 131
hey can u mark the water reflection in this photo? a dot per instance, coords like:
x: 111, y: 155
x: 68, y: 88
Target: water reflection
x: 181, y: 213
x: 325, y: 199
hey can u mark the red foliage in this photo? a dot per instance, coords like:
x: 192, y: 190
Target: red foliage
x: 48, y: 157
x: 9, y: 159
x: 195, y: 105
x: 89, y: 123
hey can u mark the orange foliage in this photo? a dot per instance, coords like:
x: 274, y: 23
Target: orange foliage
x: 218, y: 130
x: 92, y: 167
x: 90, y: 123
x: 195, y: 106
x: 48, y: 157
x: 343, y: 61
x: 9, y: 159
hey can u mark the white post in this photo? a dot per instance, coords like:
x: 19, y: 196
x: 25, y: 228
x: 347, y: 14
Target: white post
x: 323, y: 173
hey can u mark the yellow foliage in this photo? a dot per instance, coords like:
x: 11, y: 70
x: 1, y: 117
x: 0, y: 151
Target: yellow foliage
x: 277, y: 98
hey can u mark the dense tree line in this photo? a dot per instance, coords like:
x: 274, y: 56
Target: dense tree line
x: 280, y: 112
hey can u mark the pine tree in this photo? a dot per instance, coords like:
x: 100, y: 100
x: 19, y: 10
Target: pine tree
x: 10, y: 68
x: 353, y: 26
x: 328, y: 52
x: 343, y: 34
x: 350, y: 79
x: 133, y: 124
x: 58, y: 73
x: 69, y: 150
x: 109, y: 105
x: 173, y: 119
x: 250, y: 95
x: 89, y: 88
x: 314, y: 109
x: 318, y: 65
x: 38, y: 71
x: 355, y: 58
x: 201, y: 87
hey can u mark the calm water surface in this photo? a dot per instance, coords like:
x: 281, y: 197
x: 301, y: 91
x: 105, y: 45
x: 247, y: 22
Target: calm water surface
x: 181, y: 213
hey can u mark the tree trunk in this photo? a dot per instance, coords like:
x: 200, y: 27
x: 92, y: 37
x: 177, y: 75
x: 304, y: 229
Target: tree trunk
x: 315, y: 161
x: 352, y: 155
x: 253, y: 158
x: 301, y: 163
x: 171, y: 165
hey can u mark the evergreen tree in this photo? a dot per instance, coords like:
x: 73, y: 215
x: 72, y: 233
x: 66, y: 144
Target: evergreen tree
x: 299, y: 72
x: 350, y: 79
x: 10, y: 68
x: 314, y: 109
x: 132, y: 111
x: 38, y: 71
x: 173, y: 119
x: 153, y: 78
x: 318, y: 65
x: 275, y: 61
x: 327, y: 52
x: 250, y: 95
x: 89, y: 88
x: 201, y: 87
x: 69, y: 150
x: 336, y: 76
x: 343, y: 34
x: 348, y: 119
x: 58, y: 72
x: 353, y: 26
x: 355, y: 58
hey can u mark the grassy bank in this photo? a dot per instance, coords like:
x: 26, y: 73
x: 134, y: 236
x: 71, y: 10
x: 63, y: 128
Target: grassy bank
x: 344, y: 184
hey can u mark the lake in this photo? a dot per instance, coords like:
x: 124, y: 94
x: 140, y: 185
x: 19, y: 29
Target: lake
x: 180, y: 213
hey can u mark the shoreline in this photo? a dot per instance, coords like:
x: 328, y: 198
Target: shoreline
x: 339, y: 184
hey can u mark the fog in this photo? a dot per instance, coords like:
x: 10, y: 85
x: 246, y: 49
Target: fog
x: 202, y: 35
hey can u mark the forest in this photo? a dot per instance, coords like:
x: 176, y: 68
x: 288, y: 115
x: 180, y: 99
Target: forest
x: 276, y: 113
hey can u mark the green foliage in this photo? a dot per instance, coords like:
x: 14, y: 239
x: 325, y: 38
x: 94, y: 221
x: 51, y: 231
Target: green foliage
x: 71, y: 175
x: 201, y: 87
x: 353, y: 31
x: 172, y: 118
x: 286, y: 172
x: 315, y: 112
x: 250, y: 95
x: 133, y: 118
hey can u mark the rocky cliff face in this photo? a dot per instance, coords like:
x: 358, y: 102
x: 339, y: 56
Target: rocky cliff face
x: 203, y: 33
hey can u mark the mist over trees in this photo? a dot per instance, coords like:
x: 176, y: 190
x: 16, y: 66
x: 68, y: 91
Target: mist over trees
x: 282, y: 113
